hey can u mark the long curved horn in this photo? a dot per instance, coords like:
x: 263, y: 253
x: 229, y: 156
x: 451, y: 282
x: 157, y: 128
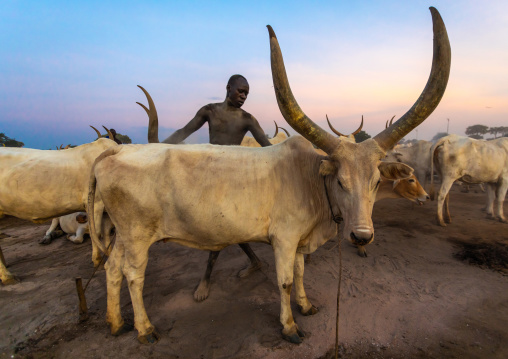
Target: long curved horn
x: 61, y: 147
x: 287, y: 133
x: 288, y: 106
x: 111, y: 137
x: 388, y: 125
x: 432, y: 93
x: 333, y: 129
x: 276, y: 129
x: 67, y: 147
x: 359, y: 128
x: 96, y: 130
x: 153, y: 119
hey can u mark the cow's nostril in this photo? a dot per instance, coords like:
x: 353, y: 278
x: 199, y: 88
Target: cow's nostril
x: 361, y: 241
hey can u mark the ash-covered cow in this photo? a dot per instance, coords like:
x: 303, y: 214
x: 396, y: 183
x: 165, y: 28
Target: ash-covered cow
x: 39, y: 185
x: 209, y: 197
x: 470, y: 161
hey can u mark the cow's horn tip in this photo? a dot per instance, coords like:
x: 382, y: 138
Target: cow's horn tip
x: 271, y: 32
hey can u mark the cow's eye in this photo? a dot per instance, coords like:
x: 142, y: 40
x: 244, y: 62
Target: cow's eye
x: 411, y: 180
x: 340, y: 184
x: 377, y: 184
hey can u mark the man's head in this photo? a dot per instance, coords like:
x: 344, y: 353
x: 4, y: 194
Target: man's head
x: 237, y: 90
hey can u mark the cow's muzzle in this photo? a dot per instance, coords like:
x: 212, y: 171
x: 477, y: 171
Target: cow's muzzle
x: 361, y: 239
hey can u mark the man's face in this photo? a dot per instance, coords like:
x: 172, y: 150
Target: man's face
x: 238, y: 92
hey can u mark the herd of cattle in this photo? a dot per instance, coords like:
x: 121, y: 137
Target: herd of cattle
x: 209, y: 197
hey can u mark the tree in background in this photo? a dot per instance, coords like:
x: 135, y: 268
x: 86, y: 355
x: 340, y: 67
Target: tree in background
x: 9, y: 142
x: 361, y: 136
x: 438, y: 135
x: 504, y: 131
x: 495, y: 130
x: 477, y: 131
x: 123, y: 138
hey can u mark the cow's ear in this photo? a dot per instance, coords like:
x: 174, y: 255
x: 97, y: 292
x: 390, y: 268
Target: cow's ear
x: 395, y: 170
x: 327, y: 168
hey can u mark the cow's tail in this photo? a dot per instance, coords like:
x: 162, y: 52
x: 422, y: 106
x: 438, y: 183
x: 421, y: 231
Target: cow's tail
x: 433, y: 149
x: 91, y: 198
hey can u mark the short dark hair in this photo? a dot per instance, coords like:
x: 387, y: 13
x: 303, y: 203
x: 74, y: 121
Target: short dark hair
x: 234, y: 78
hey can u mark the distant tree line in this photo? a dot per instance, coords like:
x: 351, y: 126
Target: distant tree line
x: 477, y: 131
x: 6, y: 141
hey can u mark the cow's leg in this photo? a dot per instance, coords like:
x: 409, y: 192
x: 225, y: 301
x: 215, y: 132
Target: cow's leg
x: 305, y: 307
x: 284, y: 264
x: 107, y: 228
x: 201, y: 292
x: 136, y: 259
x: 255, y: 263
x: 52, y: 232
x: 114, y: 277
x: 98, y: 211
x: 78, y: 238
x: 500, y: 196
x: 5, y: 276
x: 443, y: 192
x: 447, y: 217
x: 491, y: 197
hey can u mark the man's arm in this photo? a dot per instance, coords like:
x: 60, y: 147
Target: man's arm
x: 258, y: 133
x: 193, y: 125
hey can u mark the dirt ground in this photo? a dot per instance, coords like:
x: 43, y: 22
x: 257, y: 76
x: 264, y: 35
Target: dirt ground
x: 423, y: 292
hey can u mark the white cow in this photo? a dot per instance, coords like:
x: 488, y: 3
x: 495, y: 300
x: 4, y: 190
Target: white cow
x: 209, y: 197
x: 471, y: 161
x: 39, y: 185
x: 417, y: 156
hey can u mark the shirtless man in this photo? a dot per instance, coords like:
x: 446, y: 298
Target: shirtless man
x: 227, y: 124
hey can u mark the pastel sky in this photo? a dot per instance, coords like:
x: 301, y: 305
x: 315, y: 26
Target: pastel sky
x: 66, y: 65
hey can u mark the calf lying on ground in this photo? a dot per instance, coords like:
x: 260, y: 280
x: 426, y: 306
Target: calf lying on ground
x: 74, y: 224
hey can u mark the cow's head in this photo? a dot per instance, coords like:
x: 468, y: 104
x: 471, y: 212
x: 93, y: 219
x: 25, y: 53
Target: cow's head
x: 353, y: 170
x: 411, y: 189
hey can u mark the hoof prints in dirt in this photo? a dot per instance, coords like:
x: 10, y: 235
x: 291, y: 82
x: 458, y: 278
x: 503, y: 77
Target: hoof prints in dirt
x: 492, y: 255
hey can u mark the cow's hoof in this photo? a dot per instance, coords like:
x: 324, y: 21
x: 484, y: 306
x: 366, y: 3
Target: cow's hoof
x: 125, y: 328
x: 202, y: 291
x: 46, y: 240
x: 312, y: 310
x: 362, y: 252
x: 441, y: 223
x: 503, y: 220
x: 10, y: 280
x: 151, y: 338
x: 250, y: 269
x: 295, y: 338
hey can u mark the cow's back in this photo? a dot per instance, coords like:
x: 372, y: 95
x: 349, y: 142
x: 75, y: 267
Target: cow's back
x: 218, y: 195
x: 42, y: 184
x: 477, y: 160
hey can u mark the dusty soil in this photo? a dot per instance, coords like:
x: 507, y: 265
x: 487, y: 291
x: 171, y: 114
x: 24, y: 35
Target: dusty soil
x: 423, y: 292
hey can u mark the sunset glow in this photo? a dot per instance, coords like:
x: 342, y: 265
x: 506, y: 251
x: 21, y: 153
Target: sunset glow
x: 66, y: 66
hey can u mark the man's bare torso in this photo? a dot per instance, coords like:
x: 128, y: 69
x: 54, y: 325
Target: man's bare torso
x: 227, y: 126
